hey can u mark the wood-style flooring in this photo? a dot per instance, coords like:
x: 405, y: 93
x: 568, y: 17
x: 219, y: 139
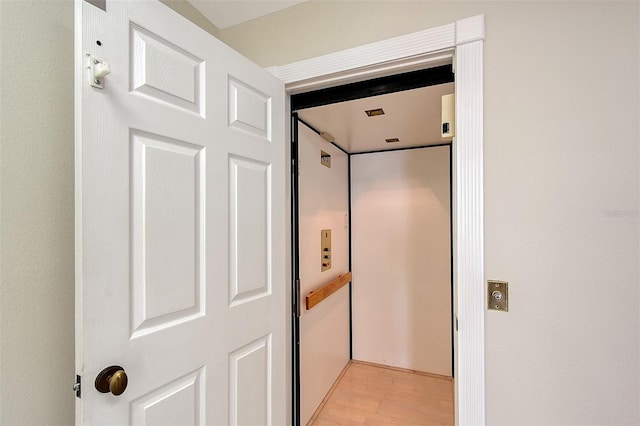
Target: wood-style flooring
x: 376, y: 395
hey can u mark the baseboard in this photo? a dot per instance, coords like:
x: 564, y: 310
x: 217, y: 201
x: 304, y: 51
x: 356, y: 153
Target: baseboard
x: 406, y: 370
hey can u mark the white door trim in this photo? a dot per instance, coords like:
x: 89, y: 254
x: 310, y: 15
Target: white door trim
x: 463, y: 41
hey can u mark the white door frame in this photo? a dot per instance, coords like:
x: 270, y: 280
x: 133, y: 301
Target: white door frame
x: 461, y: 43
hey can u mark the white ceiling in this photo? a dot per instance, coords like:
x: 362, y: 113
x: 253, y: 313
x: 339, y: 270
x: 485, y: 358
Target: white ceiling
x: 225, y: 13
x: 413, y: 116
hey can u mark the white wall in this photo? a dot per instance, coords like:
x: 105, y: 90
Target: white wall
x: 36, y: 213
x: 401, y: 254
x: 561, y: 177
x: 324, y: 330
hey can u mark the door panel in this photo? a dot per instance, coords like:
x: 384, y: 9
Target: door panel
x: 250, y: 229
x: 166, y: 222
x: 181, y: 402
x: 165, y: 72
x: 250, y: 386
x: 180, y: 225
x: 249, y: 109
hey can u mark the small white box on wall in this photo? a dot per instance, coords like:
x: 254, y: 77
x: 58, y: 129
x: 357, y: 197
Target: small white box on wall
x: 448, y: 116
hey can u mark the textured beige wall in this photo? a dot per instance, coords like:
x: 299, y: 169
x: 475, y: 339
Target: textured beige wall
x: 317, y: 27
x: 561, y: 187
x: 36, y: 213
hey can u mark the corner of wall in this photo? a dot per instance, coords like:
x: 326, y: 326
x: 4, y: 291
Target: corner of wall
x: 186, y: 9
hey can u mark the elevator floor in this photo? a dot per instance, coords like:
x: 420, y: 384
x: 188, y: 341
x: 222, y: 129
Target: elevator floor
x: 375, y: 395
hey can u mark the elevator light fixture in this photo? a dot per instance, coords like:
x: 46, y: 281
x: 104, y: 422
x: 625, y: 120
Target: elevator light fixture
x: 327, y: 137
x: 374, y: 112
x: 392, y: 140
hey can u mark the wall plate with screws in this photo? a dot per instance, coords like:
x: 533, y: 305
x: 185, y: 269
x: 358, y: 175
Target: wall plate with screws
x: 498, y: 295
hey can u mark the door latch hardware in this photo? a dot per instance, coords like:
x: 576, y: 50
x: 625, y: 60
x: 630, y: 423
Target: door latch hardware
x: 98, y: 70
x: 77, y: 387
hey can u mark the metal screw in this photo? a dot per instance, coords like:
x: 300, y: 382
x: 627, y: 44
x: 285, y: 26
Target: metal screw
x: 95, y: 61
x: 96, y: 81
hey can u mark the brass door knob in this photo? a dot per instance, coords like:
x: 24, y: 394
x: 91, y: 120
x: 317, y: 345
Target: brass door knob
x: 112, y: 379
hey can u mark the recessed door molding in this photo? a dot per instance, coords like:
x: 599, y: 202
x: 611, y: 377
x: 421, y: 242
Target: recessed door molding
x: 460, y: 43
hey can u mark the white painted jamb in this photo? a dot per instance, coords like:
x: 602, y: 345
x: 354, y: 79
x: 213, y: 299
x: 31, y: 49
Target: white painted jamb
x: 469, y: 221
x: 406, y: 53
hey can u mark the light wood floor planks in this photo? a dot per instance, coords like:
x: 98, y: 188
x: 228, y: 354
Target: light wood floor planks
x: 376, y: 395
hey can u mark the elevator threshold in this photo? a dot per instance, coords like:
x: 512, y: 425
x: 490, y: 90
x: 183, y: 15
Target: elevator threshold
x: 372, y: 394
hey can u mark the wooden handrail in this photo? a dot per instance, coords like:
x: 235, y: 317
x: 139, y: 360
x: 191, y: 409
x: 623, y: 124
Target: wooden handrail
x: 327, y: 290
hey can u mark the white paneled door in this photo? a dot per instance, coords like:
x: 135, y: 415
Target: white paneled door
x: 180, y: 186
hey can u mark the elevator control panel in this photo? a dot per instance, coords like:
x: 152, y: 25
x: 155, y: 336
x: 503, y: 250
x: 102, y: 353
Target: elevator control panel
x: 448, y: 116
x: 325, y: 249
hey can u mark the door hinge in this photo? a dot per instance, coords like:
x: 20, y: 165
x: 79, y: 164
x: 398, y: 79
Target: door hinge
x: 296, y: 302
x: 77, y: 386
x: 456, y: 323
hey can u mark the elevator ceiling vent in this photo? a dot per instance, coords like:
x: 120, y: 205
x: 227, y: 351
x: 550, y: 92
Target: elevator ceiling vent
x: 374, y: 112
x: 392, y: 140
